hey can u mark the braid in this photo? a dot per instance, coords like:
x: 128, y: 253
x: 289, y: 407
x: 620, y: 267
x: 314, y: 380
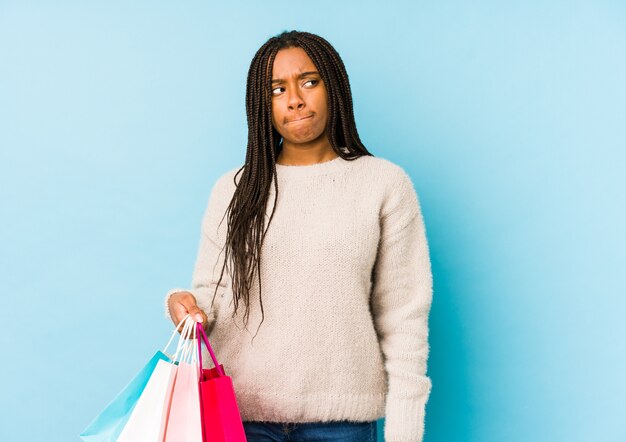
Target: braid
x: 246, y: 211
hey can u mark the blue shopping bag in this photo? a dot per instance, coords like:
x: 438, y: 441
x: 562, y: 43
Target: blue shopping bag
x: 108, y: 425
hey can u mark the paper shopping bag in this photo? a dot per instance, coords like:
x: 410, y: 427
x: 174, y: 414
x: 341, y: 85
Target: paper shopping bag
x: 184, y: 420
x: 221, y: 420
x: 148, y: 420
x: 107, y: 426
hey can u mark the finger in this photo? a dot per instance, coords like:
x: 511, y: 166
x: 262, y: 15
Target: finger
x: 196, y: 313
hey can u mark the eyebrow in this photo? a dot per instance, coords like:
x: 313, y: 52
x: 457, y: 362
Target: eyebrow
x: 302, y: 75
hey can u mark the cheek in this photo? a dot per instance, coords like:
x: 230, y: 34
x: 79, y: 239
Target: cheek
x: 322, y: 105
x: 322, y: 119
x: 275, y: 117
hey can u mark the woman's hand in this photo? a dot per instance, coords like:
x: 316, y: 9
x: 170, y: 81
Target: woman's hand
x: 183, y: 303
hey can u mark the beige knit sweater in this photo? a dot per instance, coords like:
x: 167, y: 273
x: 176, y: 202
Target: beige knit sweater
x: 346, y: 290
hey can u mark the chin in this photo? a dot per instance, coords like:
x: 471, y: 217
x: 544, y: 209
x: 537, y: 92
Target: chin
x: 302, y: 139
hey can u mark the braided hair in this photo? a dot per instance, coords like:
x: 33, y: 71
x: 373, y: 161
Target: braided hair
x: 246, y: 211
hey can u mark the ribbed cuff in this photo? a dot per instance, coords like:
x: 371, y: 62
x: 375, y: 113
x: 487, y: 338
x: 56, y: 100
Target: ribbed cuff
x: 404, y: 420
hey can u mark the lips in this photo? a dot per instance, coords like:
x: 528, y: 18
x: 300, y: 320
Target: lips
x: 299, y: 119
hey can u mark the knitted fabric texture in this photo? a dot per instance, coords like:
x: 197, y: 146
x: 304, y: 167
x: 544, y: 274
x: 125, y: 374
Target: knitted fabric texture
x: 346, y: 289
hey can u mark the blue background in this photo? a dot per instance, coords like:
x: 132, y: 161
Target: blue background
x: 116, y: 119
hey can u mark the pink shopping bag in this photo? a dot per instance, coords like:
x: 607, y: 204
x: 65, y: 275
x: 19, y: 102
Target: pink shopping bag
x: 184, y: 419
x: 221, y: 420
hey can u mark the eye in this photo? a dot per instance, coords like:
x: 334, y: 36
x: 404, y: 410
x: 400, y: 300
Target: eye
x: 313, y: 82
x: 276, y: 90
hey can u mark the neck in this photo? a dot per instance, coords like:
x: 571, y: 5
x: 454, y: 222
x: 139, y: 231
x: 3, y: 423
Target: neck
x: 306, y: 153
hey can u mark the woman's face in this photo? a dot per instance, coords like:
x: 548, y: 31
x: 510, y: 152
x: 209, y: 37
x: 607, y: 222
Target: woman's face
x: 299, y: 99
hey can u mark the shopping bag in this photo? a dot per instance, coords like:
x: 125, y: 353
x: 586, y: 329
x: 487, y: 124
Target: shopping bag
x: 107, y: 426
x: 184, y: 420
x: 221, y: 420
x: 148, y: 420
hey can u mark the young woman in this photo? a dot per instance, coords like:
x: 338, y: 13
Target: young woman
x: 326, y: 247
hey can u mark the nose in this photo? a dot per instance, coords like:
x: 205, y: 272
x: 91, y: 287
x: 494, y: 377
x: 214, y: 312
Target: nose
x: 295, y: 100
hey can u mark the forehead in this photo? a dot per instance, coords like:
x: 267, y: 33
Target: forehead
x: 290, y: 62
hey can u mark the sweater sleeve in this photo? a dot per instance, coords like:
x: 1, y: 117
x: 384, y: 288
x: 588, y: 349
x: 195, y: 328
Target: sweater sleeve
x: 401, y: 300
x: 209, y: 261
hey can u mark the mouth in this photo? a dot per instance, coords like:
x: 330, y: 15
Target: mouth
x: 295, y: 120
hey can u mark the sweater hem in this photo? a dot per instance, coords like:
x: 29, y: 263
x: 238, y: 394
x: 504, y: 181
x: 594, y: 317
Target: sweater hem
x: 264, y: 406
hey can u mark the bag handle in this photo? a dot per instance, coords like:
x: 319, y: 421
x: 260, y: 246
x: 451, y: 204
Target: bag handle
x: 182, y: 350
x: 174, y: 333
x: 188, y: 353
x: 202, y: 335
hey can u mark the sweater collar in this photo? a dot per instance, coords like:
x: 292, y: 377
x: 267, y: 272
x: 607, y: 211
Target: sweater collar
x: 307, y: 170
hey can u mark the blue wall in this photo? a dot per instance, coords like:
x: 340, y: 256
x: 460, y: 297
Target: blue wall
x: 115, y: 120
